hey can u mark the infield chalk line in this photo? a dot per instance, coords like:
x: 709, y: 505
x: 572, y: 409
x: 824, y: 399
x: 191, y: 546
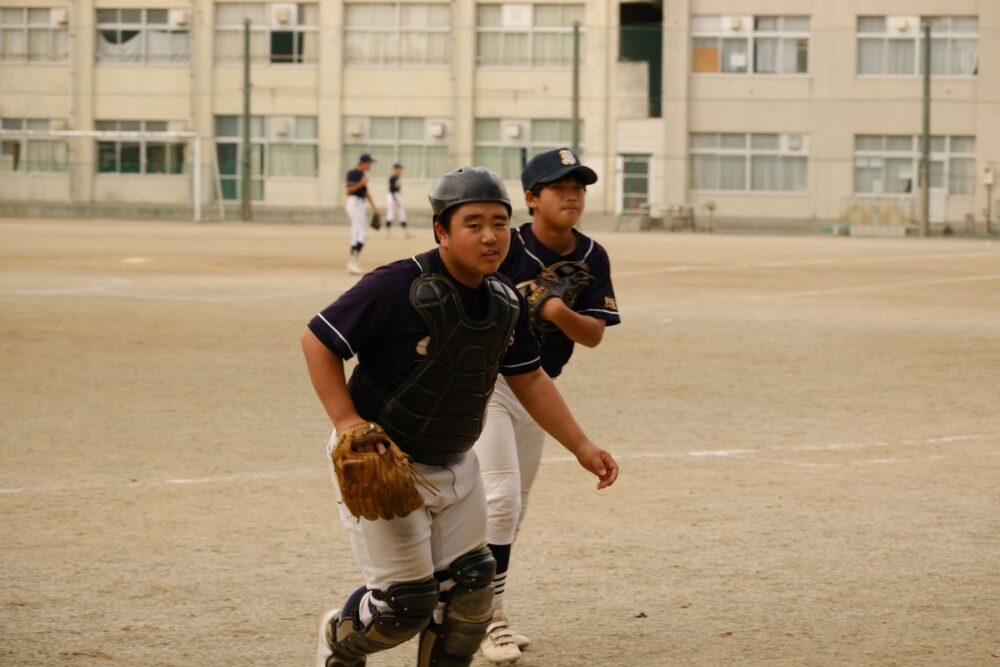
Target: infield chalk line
x: 873, y: 288
x: 780, y: 264
x: 106, y: 291
x: 309, y: 473
x: 747, y: 453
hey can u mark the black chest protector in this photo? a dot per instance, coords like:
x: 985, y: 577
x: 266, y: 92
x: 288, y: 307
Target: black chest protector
x: 438, y: 412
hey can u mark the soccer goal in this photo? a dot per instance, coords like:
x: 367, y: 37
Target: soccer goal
x: 120, y: 164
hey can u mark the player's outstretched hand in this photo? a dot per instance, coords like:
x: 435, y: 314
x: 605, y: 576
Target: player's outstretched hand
x: 599, y: 462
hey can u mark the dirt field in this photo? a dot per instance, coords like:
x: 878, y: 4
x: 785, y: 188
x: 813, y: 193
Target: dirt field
x: 808, y: 428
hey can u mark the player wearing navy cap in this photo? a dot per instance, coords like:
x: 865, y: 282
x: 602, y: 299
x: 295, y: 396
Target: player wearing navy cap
x: 357, y: 210
x: 510, y: 447
x: 431, y: 334
x: 394, y: 208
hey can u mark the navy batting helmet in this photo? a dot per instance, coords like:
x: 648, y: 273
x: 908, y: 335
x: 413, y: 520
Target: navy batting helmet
x: 464, y: 186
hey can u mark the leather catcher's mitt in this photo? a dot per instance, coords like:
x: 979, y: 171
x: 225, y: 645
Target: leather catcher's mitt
x: 565, y: 280
x: 376, y: 221
x: 375, y: 476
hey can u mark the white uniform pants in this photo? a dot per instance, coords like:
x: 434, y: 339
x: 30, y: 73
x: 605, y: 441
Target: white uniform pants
x: 394, y: 209
x: 414, y: 547
x: 509, y: 451
x: 357, y: 213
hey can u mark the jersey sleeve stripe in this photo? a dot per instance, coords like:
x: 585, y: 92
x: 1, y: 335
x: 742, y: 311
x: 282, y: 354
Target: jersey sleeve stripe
x: 523, y: 363
x: 599, y: 310
x: 339, y: 335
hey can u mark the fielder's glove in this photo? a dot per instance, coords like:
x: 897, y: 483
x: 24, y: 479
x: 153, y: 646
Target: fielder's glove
x: 376, y: 221
x: 564, y: 280
x: 375, y: 476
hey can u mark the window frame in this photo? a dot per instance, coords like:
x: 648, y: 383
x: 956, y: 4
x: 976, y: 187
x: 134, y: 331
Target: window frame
x: 144, y: 27
x: 530, y: 31
x: 886, y: 35
x: 398, y: 31
x: 358, y: 139
x: 644, y: 198
x: 747, y: 151
x: 914, y: 155
x: 175, y: 150
x: 525, y: 142
x: 262, y: 143
x: 750, y: 37
x: 300, y: 29
x: 25, y: 26
x: 22, y: 137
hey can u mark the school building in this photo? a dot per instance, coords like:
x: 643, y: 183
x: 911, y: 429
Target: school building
x: 796, y: 111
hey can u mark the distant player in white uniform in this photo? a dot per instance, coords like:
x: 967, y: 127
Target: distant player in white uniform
x: 431, y: 334
x: 358, y: 199
x: 394, y: 209
x: 510, y: 448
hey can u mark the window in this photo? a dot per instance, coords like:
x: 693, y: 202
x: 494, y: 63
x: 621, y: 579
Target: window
x: 749, y: 162
x: 745, y: 44
x: 419, y: 144
x: 890, y: 164
x: 524, y: 34
x: 635, y: 181
x: 33, y: 151
x: 142, y: 35
x: 892, y: 45
x: 279, y: 33
x: 506, y: 145
x: 33, y: 35
x: 141, y: 152
x: 280, y: 147
x: 397, y: 34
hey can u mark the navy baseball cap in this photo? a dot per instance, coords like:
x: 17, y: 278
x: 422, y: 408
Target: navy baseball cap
x: 553, y: 166
x: 365, y: 157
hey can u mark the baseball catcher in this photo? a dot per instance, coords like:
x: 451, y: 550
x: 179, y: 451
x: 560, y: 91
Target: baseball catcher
x: 564, y: 279
x: 432, y: 333
x: 375, y: 477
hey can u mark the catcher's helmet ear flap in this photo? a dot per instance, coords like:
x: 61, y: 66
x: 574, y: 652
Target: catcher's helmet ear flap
x: 464, y: 186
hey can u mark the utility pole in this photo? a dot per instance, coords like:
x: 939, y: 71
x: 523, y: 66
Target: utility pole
x: 576, y: 87
x: 925, y: 157
x: 245, y: 181
x: 989, y: 174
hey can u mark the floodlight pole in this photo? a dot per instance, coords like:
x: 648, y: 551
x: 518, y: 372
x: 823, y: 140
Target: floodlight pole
x: 925, y: 157
x: 196, y: 179
x: 247, y: 212
x: 576, y: 87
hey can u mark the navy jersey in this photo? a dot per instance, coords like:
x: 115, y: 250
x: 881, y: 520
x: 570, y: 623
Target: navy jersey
x: 527, y: 258
x: 354, y: 177
x: 393, y: 184
x: 374, y: 320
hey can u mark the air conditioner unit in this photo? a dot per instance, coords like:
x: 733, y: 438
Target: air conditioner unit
x: 794, y: 142
x: 513, y: 131
x: 737, y: 23
x: 355, y: 128
x: 437, y: 130
x: 281, y: 127
x: 284, y: 14
x: 59, y: 124
x: 176, y: 126
x: 908, y: 25
x: 177, y: 17
x: 515, y: 16
x: 59, y: 16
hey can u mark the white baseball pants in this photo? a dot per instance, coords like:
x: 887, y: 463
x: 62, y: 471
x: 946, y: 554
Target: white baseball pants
x: 510, y: 452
